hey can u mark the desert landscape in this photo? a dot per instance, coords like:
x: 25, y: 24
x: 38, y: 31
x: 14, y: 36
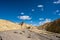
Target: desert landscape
x: 29, y: 19
x: 22, y: 31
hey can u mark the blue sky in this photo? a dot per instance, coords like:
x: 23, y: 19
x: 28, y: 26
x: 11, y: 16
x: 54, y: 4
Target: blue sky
x: 36, y: 12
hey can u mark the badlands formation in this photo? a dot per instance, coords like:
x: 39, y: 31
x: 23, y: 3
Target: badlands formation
x: 22, y: 31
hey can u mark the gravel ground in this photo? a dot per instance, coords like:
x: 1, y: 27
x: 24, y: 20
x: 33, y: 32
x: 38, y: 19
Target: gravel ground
x: 26, y: 35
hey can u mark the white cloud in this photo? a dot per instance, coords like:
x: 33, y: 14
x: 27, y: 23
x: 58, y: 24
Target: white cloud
x: 57, y: 11
x: 40, y: 6
x: 22, y: 13
x: 24, y: 17
x: 41, y: 18
x: 57, y: 2
x: 45, y: 21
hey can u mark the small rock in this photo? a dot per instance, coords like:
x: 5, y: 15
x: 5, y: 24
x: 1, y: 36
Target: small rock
x: 20, y: 33
x: 58, y: 36
x: 15, y: 32
x: 28, y: 37
x: 0, y: 38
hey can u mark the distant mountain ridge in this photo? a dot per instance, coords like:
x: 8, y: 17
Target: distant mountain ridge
x: 52, y: 26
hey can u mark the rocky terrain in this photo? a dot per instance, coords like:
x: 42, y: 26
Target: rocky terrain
x: 22, y: 31
x: 27, y: 35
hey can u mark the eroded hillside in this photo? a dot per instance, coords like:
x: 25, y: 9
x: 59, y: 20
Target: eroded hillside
x: 52, y: 26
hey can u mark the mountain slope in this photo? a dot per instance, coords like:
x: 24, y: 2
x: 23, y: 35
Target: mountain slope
x: 8, y: 25
x: 52, y: 26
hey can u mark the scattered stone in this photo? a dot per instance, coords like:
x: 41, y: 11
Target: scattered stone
x: 0, y: 38
x: 58, y: 36
x: 28, y: 37
x: 20, y: 33
x: 15, y: 32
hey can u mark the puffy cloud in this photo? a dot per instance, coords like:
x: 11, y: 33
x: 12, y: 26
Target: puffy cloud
x: 57, y: 2
x: 24, y: 17
x: 45, y: 21
x: 40, y: 6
